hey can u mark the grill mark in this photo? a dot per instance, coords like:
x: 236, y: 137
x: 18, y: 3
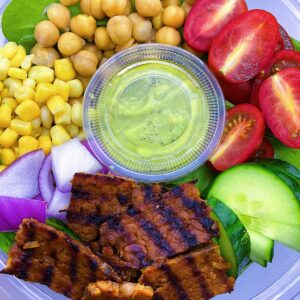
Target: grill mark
x: 93, y: 266
x: 48, y: 275
x: 79, y: 194
x: 74, y: 250
x: 74, y: 217
x: 190, y: 260
x: 52, y: 236
x: 122, y: 199
x: 25, y: 259
x: 174, y: 281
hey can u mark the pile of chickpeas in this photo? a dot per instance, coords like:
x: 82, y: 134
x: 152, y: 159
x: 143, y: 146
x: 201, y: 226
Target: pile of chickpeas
x: 89, y: 46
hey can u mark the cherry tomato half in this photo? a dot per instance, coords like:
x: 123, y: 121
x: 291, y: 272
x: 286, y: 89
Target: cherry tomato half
x: 207, y: 18
x: 279, y: 99
x: 266, y: 150
x: 281, y: 60
x: 243, y: 135
x: 285, y: 42
x: 244, y: 46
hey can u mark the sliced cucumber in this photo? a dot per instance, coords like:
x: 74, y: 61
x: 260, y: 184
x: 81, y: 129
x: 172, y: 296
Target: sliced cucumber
x: 234, y: 240
x: 261, y: 246
x: 256, y: 191
x: 281, y: 232
x: 259, y: 260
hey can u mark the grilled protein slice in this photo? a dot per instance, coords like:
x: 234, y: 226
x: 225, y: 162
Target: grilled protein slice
x: 108, y: 290
x: 47, y: 256
x: 198, y: 275
x: 159, y: 223
x: 94, y: 199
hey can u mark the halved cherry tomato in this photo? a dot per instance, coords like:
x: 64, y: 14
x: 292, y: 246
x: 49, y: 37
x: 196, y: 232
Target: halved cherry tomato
x: 266, y: 150
x: 279, y: 99
x: 237, y: 93
x: 244, y: 46
x: 281, y: 60
x: 285, y: 42
x: 243, y: 135
x: 207, y: 18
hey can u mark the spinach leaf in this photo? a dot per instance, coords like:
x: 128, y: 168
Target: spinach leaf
x: 6, y: 240
x: 21, y: 16
x: 59, y: 225
x: 296, y: 44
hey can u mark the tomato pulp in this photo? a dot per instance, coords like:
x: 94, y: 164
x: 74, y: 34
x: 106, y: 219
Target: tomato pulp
x: 244, y: 46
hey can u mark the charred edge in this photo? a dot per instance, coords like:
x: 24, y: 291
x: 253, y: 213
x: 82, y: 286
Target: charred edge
x: 190, y: 260
x: 48, y: 275
x: 74, y: 250
x: 25, y: 259
x: 52, y: 236
x: 79, y: 194
x: 85, y: 219
x: 210, y: 226
x: 94, y: 266
x: 174, y: 281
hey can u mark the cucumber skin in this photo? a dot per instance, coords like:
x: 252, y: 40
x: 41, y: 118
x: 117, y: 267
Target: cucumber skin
x: 259, y: 260
x: 236, y: 233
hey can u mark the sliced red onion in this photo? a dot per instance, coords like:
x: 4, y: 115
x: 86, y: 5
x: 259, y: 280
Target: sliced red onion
x: 69, y: 159
x: 46, y: 180
x: 20, y: 179
x: 58, y: 204
x: 38, y: 197
x: 14, y: 210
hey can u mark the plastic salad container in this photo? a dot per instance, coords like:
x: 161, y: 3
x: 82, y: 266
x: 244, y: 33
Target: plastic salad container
x: 280, y: 280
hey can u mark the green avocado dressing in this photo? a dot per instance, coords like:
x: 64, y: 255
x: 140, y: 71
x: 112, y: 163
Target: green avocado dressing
x: 151, y: 112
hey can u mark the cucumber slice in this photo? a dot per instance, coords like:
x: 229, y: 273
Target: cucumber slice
x: 255, y: 191
x: 259, y: 260
x: 261, y: 246
x: 234, y: 239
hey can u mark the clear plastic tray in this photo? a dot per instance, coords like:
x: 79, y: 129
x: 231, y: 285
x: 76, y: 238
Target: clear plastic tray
x: 280, y: 280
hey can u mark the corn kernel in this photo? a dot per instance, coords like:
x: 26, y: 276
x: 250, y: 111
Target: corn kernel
x: 63, y: 89
x: 8, y: 138
x: 27, y: 144
x: 72, y: 130
x: 24, y: 93
x: 59, y: 135
x: 30, y: 83
x: 36, y: 123
x: 12, y: 84
x: 4, y: 66
x: 11, y: 102
x: 28, y: 110
x: 18, y: 58
x: 45, y: 131
x: 76, y: 88
x: 21, y: 127
x: 7, y: 156
x: 2, y: 168
x: 81, y: 134
x: 36, y: 132
x: 63, y: 118
x: 10, y: 49
x: 5, y: 115
x: 41, y: 74
x: 45, y: 143
x: 64, y: 69
x: 76, y: 114
x: 27, y: 62
x: 46, y: 117
x: 16, y: 151
x: 4, y: 93
x: 72, y: 101
x: 56, y: 104
x: 1, y: 86
x: 44, y: 91
x: 17, y: 73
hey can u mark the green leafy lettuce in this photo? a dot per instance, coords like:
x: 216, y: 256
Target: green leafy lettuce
x: 296, y: 44
x: 61, y: 226
x: 6, y: 240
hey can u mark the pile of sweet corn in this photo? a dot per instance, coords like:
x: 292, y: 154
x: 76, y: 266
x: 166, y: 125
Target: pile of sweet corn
x: 40, y: 107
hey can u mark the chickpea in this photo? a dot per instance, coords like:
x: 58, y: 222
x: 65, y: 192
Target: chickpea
x: 109, y: 53
x: 92, y: 8
x: 68, y: 2
x: 119, y: 29
x: 174, y: 16
x: 103, y: 40
x: 92, y: 48
x: 142, y: 31
x: 85, y: 63
x: 46, y: 33
x: 190, y: 2
x: 114, y: 7
x: 126, y: 46
x: 166, y: 3
x: 168, y: 35
x: 70, y: 43
x: 158, y: 20
x: 128, y: 9
x: 59, y: 15
x: 186, y: 7
x: 153, y: 36
x: 148, y: 8
x: 44, y: 56
x: 84, y: 26
x: 135, y: 18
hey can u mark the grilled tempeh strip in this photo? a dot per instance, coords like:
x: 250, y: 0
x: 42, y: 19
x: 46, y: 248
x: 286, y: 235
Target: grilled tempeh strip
x: 45, y: 255
x: 94, y: 199
x: 159, y: 224
x: 198, y: 275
